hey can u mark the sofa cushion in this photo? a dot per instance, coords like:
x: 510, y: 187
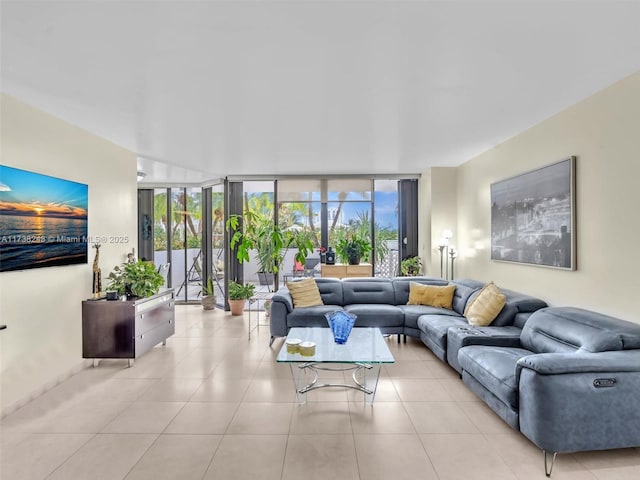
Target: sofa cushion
x: 494, y: 368
x: 459, y: 337
x: 376, y: 315
x: 401, y: 286
x: 431, y: 295
x: 516, y: 303
x: 520, y: 319
x: 330, y: 291
x: 368, y: 291
x: 568, y: 329
x: 413, y: 312
x: 310, y: 316
x: 484, y: 307
x: 304, y: 293
x: 464, y: 289
x: 435, y: 327
x: 523, y: 303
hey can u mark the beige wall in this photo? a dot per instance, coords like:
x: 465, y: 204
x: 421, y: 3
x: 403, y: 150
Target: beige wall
x: 42, y: 307
x: 603, y: 133
x: 438, y: 212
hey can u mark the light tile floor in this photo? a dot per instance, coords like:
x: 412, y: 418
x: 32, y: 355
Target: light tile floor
x: 213, y: 405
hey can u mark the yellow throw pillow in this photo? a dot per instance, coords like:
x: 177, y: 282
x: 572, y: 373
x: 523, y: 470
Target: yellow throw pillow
x: 305, y: 293
x: 486, y: 306
x: 431, y: 295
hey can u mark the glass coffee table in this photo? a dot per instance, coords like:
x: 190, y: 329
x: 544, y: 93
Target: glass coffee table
x: 364, y: 352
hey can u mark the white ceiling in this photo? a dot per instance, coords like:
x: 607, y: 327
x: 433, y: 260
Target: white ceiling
x: 204, y: 89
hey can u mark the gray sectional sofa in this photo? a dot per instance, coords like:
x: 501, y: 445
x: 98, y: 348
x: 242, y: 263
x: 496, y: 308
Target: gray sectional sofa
x: 377, y: 302
x: 382, y: 303
x: 567, y: 378
x: 571, y: 382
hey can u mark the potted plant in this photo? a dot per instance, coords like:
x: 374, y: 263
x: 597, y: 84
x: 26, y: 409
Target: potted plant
x: 137, y: 279
x: 208, y: 299
x: 411, y: 266
x: 259, y: 232
x: 238, y: 295
x: 352, y: 247
x: 268, y: 244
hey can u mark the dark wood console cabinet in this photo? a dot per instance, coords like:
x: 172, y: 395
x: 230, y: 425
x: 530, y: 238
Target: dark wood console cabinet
x: 126, y: 329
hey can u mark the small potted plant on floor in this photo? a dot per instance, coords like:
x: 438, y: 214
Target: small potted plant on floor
x: 238, y: 295
x: 208, y: 299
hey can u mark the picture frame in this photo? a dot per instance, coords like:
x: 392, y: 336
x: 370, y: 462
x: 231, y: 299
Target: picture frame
x: 533, y: 217
x: 43, y: 220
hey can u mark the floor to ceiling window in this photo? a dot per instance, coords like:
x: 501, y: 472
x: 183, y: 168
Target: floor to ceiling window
x: 300, y: 211
x: 161, y: 229
x: 258, y: 197
x: 349, y: 211
x: 218, y: 251
x: 186, y: 243
x: 385, y: 201
x: 324, y: 209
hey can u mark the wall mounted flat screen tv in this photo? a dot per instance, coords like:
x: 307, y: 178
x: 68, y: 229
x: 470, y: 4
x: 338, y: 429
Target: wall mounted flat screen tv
x: 43, y: 220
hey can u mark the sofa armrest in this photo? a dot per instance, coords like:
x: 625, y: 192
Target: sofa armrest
x: 463, y: 336
x: 281, y: 306
x: 581, y: 362
x: 581, y: 401
x: 283, y: 296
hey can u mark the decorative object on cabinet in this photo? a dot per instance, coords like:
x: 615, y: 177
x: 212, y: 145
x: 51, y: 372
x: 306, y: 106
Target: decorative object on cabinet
x: 97, y: 273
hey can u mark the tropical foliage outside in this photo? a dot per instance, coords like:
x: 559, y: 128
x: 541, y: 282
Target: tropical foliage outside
x: 302, y: 217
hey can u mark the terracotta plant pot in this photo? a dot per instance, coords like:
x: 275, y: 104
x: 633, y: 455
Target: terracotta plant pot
x: 237, y: 306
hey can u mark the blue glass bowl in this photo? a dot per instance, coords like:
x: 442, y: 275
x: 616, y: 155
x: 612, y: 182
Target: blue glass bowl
x: 341, y: 323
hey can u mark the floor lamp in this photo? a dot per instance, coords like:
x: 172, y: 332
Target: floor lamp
x: 444, y: 253
x: 441, y: 248
x: 453, y: 255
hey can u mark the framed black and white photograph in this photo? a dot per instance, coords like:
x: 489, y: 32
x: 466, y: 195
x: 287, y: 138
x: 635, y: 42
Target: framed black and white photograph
x: 533, y: 217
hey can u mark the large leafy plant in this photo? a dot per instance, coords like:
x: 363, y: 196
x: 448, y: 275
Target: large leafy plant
x: 351, y: 248
x: 259, y: 232
x: 139, y: 279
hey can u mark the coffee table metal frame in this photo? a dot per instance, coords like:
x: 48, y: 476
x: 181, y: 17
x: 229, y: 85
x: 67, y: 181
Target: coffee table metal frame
x: 364, y: 353
x: 256, y: 299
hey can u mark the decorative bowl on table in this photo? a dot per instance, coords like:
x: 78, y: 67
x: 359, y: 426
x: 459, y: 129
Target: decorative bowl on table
x: 341, y: 323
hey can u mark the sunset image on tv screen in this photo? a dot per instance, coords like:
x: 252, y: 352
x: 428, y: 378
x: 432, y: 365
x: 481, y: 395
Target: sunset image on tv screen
x: 43, y: 220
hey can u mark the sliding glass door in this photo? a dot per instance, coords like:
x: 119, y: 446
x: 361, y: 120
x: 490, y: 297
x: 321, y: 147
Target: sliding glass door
x: 190, y: 238
x: 385, y: 228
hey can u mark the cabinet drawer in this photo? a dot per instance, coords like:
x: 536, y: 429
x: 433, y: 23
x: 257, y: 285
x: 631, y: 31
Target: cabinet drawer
x: 359, y: 271
x: 334, y: 271
x: 151, y: 338
x: 159, y: 316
